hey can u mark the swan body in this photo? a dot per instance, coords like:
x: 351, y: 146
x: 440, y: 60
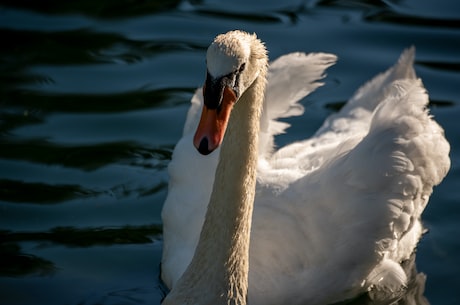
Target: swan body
x: 315, y: 222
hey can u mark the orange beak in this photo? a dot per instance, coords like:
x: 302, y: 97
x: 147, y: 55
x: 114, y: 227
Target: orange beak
x: 213, y: 123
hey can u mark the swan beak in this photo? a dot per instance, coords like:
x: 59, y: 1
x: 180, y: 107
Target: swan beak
x: 213, y: 122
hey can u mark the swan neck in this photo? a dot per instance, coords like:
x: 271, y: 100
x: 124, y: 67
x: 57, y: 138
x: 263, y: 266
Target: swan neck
x: 218, y: 273
x: 229, y: 214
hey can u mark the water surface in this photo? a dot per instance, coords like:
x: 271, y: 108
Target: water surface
x: 93, y: 96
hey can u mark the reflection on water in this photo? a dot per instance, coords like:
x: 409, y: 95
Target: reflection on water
x: 412, y: 295
x: 93, y: 96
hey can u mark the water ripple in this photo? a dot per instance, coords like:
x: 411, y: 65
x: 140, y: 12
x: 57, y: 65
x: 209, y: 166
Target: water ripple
x: 387, y: 16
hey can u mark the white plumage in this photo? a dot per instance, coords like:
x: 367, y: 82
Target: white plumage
x: 335, y: 214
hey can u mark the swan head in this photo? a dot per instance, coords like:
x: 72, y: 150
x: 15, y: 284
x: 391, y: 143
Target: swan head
x: 234, y: 61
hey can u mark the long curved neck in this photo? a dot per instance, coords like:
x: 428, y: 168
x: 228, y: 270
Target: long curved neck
x: 218, y: 273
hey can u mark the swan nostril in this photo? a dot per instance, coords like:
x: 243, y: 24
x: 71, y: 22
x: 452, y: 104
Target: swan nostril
x: 203, y: 148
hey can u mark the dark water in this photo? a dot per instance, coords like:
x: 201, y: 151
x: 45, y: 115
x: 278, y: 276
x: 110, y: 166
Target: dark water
x: 93, y: 95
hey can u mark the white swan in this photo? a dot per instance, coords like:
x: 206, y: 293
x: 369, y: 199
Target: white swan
x: 332, y: 216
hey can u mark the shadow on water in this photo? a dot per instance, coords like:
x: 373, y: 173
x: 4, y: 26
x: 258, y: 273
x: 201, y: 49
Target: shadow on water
x: 86, y: 103
x: 15, y: 263
x: 86, y: 157
x: 40, y: 193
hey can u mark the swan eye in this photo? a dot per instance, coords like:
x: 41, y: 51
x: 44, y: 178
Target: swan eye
x: 241, y: 68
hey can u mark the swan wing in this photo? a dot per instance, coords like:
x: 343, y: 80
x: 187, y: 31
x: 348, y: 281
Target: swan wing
x: 290, y: 78
x: 339, y: 130
x: 346, y: 223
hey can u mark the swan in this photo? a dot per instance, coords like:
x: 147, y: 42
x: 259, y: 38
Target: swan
x: 317, y: 221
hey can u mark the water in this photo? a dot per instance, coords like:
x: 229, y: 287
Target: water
x: 93, y: 96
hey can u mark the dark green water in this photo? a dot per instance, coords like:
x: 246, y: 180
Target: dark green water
x: 93, y: 96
